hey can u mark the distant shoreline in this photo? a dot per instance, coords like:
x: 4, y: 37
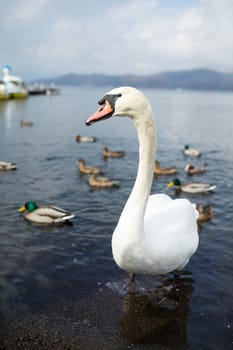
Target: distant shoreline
x: 195, y: 79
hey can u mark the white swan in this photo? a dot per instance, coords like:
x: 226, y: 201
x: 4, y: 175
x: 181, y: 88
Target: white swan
x: 154, y: 234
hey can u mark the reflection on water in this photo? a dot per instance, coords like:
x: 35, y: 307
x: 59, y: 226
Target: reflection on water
x: 159, y: 316
x: 11, y: 108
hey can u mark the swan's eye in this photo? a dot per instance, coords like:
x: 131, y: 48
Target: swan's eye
x: 110, y: 98
x: 102, y: 100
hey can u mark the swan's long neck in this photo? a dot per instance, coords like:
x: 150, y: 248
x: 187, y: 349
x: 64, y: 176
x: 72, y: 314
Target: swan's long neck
x: 132, y: 216
x: 147, y: 149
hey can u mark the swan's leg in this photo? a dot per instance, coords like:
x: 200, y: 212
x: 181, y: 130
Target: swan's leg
x: 132, y: 277
x: 132, y: 285
x: 176, y: 274
x: 176, y: 278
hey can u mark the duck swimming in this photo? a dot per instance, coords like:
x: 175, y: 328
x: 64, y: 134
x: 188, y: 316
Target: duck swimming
x: 112, y: 154
x: 192, y: 187
x: 83, y: 168
x: 44, y: 214
x: 102, y: 182
x: 163, y: 171
x: 204, y: 212
x: 189, y: 151
x: 154, y: 234
x: 26, y: 123
x: 192, y: 170
x: 80, y: 138
x: 4, y: 166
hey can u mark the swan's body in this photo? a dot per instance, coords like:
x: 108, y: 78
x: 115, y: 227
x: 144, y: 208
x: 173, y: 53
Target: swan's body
x: 7, y: 166
x: 191, y: 187
x: 112, y: 154
x: 83, y: 168
x: 189, y: 151
x: 102, y: 182
x: 154, y: 234
x: 45, y: 214
x: 163, y: 171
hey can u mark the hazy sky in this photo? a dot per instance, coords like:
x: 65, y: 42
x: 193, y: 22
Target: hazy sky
x: 46, y: 38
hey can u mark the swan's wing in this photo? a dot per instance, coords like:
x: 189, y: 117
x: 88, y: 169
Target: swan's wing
x: 155, y: 203
x: 169, y: 220
x: 171, y: 232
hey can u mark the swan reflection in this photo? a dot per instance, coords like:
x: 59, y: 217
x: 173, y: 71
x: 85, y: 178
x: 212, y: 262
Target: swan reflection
x: 158, y: 316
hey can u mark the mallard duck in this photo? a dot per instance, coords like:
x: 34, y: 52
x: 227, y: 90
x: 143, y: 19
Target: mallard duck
x: 26, y: 123
x: 154, y: 234
x: 192, y: 187
x: 103, y: 182
x: 80, y: 138
x: 204, y: 212
x: 7, y: 166
x: 192, y: 170
x: 45, y: 214
x: 112, y: 154
x: 189, y: 151
x: 163, y: 171
x: 87, y: 169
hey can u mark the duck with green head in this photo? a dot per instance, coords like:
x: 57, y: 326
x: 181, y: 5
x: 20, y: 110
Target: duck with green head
x: 191, y: 187
x: 189, y: 151
x: 45, y: 214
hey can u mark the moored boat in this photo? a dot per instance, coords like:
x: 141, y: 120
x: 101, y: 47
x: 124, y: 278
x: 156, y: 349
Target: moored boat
x: 41, y: 89
x: 14, y: 85
x: 3, y: 92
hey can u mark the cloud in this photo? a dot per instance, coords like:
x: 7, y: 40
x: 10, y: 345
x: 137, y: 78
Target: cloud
x: 27, y: 10
x: 127, y: 36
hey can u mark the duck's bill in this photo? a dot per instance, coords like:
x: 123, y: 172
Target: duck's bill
x: 22, y: 209
x: 170, y: 184
x: 105, y: 111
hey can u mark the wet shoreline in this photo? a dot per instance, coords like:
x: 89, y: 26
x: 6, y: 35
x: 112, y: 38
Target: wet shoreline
x: 103, y: 320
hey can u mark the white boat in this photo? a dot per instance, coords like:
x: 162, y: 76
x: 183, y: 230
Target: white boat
x: 14, y: 85
x: 3, y: 91
x: 41, y: 89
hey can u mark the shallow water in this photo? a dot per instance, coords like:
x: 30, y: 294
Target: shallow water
x: 63, y: 279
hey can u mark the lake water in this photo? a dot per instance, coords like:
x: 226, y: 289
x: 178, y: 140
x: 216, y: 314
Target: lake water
x: 59, y: 286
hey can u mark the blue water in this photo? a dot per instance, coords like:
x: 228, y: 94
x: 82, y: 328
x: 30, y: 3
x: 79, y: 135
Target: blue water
x: 66, y: 274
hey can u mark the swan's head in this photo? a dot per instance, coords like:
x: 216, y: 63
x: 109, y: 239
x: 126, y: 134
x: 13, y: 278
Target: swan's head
x: 122, y: 101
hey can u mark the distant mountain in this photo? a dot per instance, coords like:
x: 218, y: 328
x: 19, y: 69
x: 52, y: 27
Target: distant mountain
x: 196, y: 79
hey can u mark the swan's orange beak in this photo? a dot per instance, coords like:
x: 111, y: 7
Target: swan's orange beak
x: 105, y: 111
